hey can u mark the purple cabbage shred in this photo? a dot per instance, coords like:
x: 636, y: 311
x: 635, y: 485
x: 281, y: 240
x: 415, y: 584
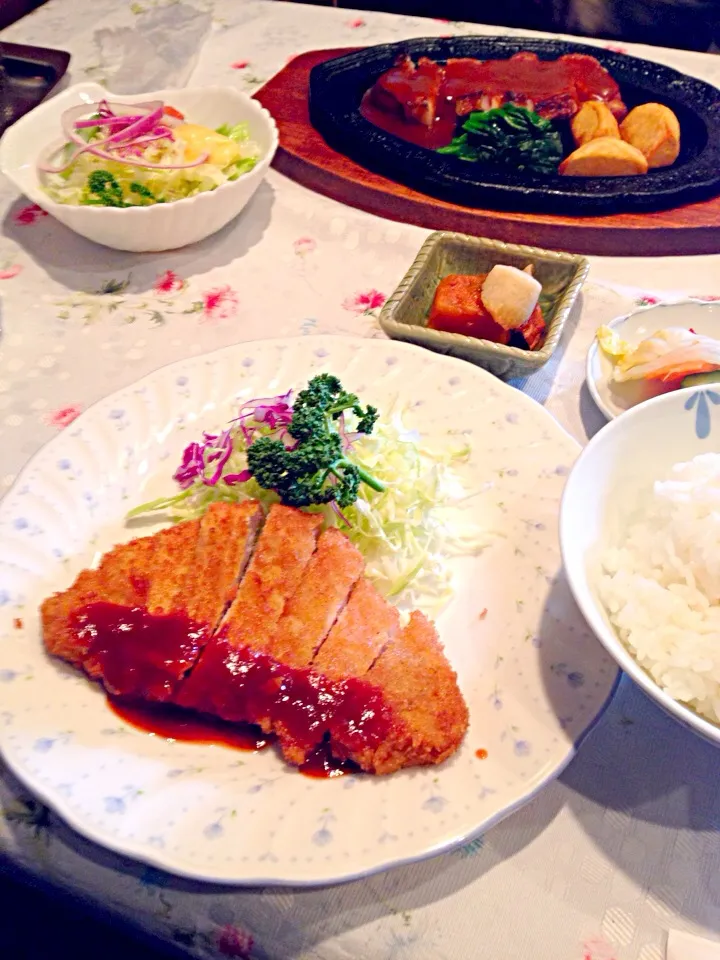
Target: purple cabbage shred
x: 269, y: 416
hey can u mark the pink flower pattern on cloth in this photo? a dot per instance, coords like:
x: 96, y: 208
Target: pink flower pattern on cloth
x: 220, y: 303
x: 597, y: 948
x: 64, y: 416
x: 304, y: 245
x: 364, y: 302
x: 168, y: 282
x: 235, y: 942
x: 29, y: 214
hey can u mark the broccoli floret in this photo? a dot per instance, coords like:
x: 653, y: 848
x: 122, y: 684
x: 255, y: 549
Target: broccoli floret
x: 104, y: 190
x: 315, y: 470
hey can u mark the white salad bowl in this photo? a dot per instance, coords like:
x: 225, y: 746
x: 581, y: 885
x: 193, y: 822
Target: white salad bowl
x: 164, y: 226
x: 604, y: 489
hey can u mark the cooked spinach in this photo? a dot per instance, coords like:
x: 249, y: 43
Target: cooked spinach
x: 508, y: 136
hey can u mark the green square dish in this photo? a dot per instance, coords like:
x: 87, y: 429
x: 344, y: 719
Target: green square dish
x: 405, y: 314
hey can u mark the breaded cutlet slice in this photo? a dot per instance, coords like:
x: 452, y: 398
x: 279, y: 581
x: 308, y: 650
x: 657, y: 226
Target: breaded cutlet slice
x: 308, y: 617
x: 157, y: 565
x: 282, y: 553
x: 122, y: 578
x: 147, y: 654
x: 141, y: 620
x: 320, y: 597
x: 218, y: 684
x: 359, y: 635
x: 228, y: 532
x: 418, y: 685
x: 173, y: 559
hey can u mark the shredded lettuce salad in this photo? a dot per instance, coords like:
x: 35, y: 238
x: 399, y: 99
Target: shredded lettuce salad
x: 111, y: 164
x: 408, y: 532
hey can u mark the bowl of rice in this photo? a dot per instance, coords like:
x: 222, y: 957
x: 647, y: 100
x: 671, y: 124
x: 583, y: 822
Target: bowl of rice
x: 640, y: 539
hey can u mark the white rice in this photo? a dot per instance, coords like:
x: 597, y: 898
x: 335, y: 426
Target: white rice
x: 661, y: 585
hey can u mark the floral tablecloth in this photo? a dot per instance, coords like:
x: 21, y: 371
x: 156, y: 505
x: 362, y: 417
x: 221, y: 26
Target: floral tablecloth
x: 598, y: 867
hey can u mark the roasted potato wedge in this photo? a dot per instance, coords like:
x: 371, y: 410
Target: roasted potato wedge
x: 655, y: 131
x: 593, y: 120
x: 604, y: 157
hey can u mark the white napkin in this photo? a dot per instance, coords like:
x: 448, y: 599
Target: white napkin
x: 684, y: 946
x: 160, y: 50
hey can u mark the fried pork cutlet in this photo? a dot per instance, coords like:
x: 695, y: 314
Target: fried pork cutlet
x: 228, y: 532
x: 309, y: 616
x: 281, y: 630
x: 360, y: 634
x: 429, y: 715
x: 197, y: 567
x: 173, y: 559
x: 160, y: 563
x: 353, y: 644
x: 140, y: 621
x: 222, y: 680
x: 283, y: 551
x: 122, y: 578
x: 314, y: 607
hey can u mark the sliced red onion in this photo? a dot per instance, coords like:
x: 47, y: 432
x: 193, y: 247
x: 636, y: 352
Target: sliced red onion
x: 126, y: 131
x: 336, y: 509
x: 106, y: 121
x: 85, y: 148
x: 48, y: 168
x: 73, y: 114
x: 75, y: 138
x: 94, y: 149
x: 119, y: 158
x: 139, y: 127
x: 145, y: 163
x: 143, y: 141
x: 159, y: 133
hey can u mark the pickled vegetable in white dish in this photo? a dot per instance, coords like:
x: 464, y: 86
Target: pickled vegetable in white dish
x: 652, y: 351
x: 669, y: 355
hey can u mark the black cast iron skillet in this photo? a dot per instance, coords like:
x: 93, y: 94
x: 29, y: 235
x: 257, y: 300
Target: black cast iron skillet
x: 337, y: 87
x: 27, y: 76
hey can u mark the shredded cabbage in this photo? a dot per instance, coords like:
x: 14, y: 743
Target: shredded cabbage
x: 408, y: 534
x: 162, y: 186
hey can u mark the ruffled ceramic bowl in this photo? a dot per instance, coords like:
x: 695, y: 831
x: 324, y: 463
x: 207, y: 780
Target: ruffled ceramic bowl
x: 165, y: 226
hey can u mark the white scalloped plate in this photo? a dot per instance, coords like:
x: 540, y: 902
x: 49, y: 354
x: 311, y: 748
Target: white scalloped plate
x: 532, y: 674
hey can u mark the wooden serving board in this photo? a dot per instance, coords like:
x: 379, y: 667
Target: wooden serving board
x: 304, y: 156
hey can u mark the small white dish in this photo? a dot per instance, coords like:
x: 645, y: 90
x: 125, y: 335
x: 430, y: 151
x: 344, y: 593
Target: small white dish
x: 533, y: 675
x: 164, y: 226
x: 615, y: 398
x: 607, y: 482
